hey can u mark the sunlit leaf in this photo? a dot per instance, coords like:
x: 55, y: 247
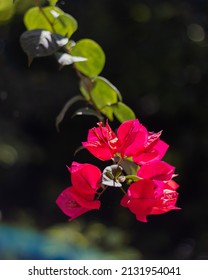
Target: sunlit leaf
x: 104, y: 94
x: 52, y: 2
x: 52, y: 19
x: 4, y: 4
x: 38, y: 43
x: 86, y: 86
x: 122, y: 112
x: 6, y: 9
x: 67, y: 59
x: 65, y: 25
x: 94, y: 54
x: 22, y: 6
x: 66, y: 107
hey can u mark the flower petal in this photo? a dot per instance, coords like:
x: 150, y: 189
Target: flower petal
x: 72, y: 205
x: 158, y: 170
x: 85, y: 177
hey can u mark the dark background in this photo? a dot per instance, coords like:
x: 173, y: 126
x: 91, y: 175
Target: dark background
x: 157, y: 56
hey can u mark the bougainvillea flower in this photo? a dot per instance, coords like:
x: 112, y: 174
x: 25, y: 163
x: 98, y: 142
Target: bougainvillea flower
x: 80, y: 197
x: 132, y: 140
x: 85, y: 177
x: 133, y: 137
x: 166, y: 200
x: 157, y: 170
x: 136, y: 142
x: 145, y: 198
x: 101, y: 142
x: 140, y: 199
x: 154, y: 149
x: 73, y: 205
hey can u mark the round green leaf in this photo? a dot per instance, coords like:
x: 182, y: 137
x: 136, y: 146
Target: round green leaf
x: 6, y: 10
x: 94, y: 54
x: 65, y: 25
x: 122, y: 112
x: 104, y: 94
x: 52, y: 19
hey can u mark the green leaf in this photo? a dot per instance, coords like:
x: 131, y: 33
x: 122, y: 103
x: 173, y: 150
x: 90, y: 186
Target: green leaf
x: 6, y: 9
x: 52, y: 2
x: 5, y: 4
x: 65, y: 25
x: 122, y: 112
x: 86, y: 86
x: 52, y: 19
x: 129, y: 166
x: 38, y: 43
x: 104, y: 95
x: 111, y: 176
x: 66, y: 107
x: 94, y: 54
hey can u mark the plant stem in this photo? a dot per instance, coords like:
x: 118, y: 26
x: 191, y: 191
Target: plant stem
x: 38, y: 4
x: 104, y: 188
x: 123, y: 190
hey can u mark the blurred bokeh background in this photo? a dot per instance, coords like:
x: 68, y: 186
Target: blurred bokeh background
x: 157, y: 56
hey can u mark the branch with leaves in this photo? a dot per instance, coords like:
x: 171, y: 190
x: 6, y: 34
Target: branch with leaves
x: 138, y: 171
x: 49, y: 32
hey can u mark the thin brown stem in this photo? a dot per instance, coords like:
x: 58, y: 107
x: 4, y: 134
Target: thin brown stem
x: 104, y: 188
x: 123, y: 190
x: 38, y: 4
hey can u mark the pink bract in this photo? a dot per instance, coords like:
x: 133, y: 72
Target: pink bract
x: 73, y: 205
x: 79, y: 198
x: 132, y: 138
x: 147, y: 198
x: 166, y: 198
x: 85, y: 177
x: 153, y: 152
x: 140, y: 199
x: 158, y: 170
x: 101, y: 142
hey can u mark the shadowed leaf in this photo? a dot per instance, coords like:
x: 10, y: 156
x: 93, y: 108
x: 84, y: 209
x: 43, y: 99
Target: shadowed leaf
x: 68, y: 104
x: 38, y: 42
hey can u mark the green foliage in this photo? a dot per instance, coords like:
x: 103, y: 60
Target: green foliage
x: 48, y: 32
x: 104, y: 95
x: 94, y: 54
x: 122, y: 112
x: 52, y: 19
x: 6, y: 9
x: 52, y: 2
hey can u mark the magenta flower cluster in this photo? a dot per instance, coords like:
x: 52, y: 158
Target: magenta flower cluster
x: 137, y: 169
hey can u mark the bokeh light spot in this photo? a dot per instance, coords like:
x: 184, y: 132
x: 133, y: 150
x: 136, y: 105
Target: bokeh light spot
x: 8, y: 155
x: 195, y: 32
x: 140, y: 13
